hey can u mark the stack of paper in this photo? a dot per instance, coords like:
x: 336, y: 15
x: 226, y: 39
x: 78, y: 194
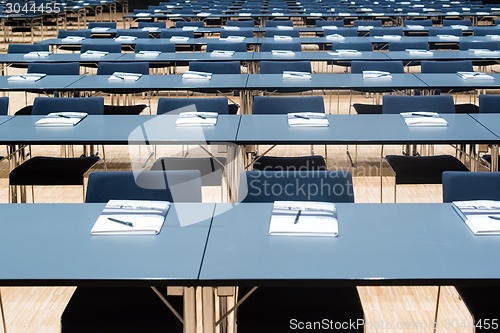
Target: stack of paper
x: 287, y: 75
x: 345, y: 53
x: 222, y: 53
x: 230, y: 27
x: 419, y: 52
x: 193, y: 75
x: 329, y: 27
x: 244, y: 14
x: 304, y: 218
x: 73, y: 39
x: 37, y: 54
x: 474, y: 76
x: 131, y: 217
x: 147, y: 54
x: 123, y: 76
x: 189, y: 28
x: 335, y: 37
x: 282, y: 53
x: 203, y: 14
x: 99, y: 29
x: 448, y: 37
x: 284, y: 27
x: 233, y: 39
x: 179, y: 39
x: 365, y: 27
x: 316, y: 14
x: 485, y: 52
x: 282, y: 38
x: 461, y: 27
x: 376, y: 75
x: 415, y: 27
x: 197, y: 119
x: 31, y: 77
x: 143, y: 14
x: 307, y: 119
x: 481, y: 216
x: 122, y: 39
x: 93, y: 54
x: 61, y: 119
x: 150, y: 29
x: 389, y: 37
x: 494, y: 37
x: 277, y: 14
x: 423, y: 119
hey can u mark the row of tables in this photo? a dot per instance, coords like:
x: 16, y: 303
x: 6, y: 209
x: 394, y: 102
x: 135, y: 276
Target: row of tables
x: 217, y: 245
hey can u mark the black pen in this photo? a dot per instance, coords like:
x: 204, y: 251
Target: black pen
x: 200, y: 116
x: 422, y: 115
x: 494, y: 217
x: 128, y: 224
x: 302, y: 117
x: 297, y: 216
x: 63, y: 116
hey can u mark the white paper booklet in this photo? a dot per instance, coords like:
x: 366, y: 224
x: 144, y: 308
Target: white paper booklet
x: 147, y: 54
x: 485, y: 52
x: 282, y: 38
x: 448, y: 37
x: 282, y: 53
x: 307, y: 119
x: 423, y: 119
x: 189, y: 28
x: 345, y: 53
x: 123, y: 76
x: 93, y: 54
x: 292, y: 75
x: 222, y: 53
x: 197, y: 119
x: 419, y: 52
x: 131, y: 217
x: 481, y: 216
x: 389, y: 37
x: 150, y: 29
x: 415, y: 27
x: 376, y: 75
x: 30, y: 77
x: 335, y: 38
x: 230, y: 27
x: 284, y: 27
x: 37, y: 54
x: 233, y: 39
x: 72, y: 39
x: 194, y: 75
x: 304, y: 218
x: 179, y: 39
x: 474, y: 76
x: 99, y: 29
x: 125, y: 38
x: 61, y: 119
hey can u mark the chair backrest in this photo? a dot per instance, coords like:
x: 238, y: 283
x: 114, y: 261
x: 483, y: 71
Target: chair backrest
x: 452, y: 66
x: 276, y: 23
x: 447, y: 23
x: 175, y: 105
x: 216, y: 67
x: 292, y: 163
x: 111, y: 47
x: 210, y: 168
x: 157, y: 24
x: 283, y: 105
x: 382, y: 31
x: 4, y: 106
x: 271, y: 32
x: 460, y: 185
x: 80, y: 33
x: 26, y: 48
x: 358, y: 46
x: 346, y: 32
x: 243, y: 32
x: 55, y: 68
x: 277, y: 67
x: 180, y: 24
x: 240, y: 23
x: 108, y: 68
x: 218, y: 45
x: 270, y: 186
x: 160, y: 47
x: 169, y: 33
x: 424, y: 23
x: 132, y: 32
x: 435, y: 31
x: 365, y: 23
x: 391, y: 66
x: 111, y: 25
x: 336, y: 23
x: 434, y: 103
x: 46, y: 105
x: 270, y: 45
x: 489, y: 45
x: 402, y: 46
x: 174, y: 186
x: 489, y: 103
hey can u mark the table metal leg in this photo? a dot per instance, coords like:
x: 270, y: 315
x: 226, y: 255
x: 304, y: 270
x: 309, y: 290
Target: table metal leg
x: 494, y: 158
x: 208, y: 309
x: 4, y: 323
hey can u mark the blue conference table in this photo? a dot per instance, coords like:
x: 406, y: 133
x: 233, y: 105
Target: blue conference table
x: 49, y: 82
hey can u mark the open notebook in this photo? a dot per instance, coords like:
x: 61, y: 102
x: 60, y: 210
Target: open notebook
x: 29, y: 77
x: 474, y: 76
x: 481, y: 216
x: 197, y: 119
x: 376, y: 75
x: 293, y: 75
x: 194, y: 75
x: 131, y: 217
x: 304, y: 218
x: 423, y: 119
x: 307, y: 119
x: 61, y: 119
x: 123, y: 76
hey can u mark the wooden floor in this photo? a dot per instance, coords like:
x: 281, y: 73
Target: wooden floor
x: 387, y: 309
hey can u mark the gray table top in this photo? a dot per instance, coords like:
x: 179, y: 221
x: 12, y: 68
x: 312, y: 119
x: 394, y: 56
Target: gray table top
x: 49, y: 82
x: 119, y: 129
x: 361, y: 129
x: 321, y: 56
x: 443, y: 80
x: 378, y: 244
x: 489, y: 120
x: 440, y: 55
x: 50, y: 244
x: 56, y: 57
x: 188, y: 56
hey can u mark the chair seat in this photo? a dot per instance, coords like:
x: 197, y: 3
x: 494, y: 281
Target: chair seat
x: 272, y: 309
x: 423, y: 169
x: 277, y: 163
x: 124, y: 109
x: 367, y: 108
x: 211, y: 170
x: 25, y: 111
x: 466, y: 108
x: 119, y: 310
x: 482, y: 303
x: 41, y: 170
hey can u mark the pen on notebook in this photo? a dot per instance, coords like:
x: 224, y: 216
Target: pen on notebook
x: 421, y: 114
x: 301, y: 117
x: 129, y: 224
x: 297, y: 217
x: 200, y: 116
x: 63, y: 116
x: 494, y: 217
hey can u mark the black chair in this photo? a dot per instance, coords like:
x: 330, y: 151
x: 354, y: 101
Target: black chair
x: 4, y: 110
x: 137, y: 309
x: 275, y: 306
x: 481, y: 301
x: 287, y: 163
